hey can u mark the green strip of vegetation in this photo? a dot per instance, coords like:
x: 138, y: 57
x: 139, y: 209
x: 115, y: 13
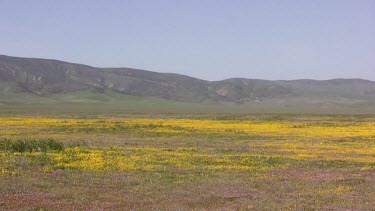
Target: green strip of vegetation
x: 33, y: 145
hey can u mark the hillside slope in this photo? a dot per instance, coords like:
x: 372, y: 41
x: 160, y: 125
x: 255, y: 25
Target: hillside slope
x: 44, y: 77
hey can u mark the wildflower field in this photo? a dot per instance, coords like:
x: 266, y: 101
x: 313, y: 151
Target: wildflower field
x: 190, y: 162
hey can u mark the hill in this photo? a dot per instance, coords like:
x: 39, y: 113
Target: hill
x: 30, y: 80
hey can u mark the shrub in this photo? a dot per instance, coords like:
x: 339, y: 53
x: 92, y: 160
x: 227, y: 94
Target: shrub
x: 32, y: 145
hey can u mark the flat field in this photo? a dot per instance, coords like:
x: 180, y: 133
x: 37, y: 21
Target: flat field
x: 165, y: 162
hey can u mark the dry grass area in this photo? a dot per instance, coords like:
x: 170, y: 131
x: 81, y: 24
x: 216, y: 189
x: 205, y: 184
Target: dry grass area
x: 189, y: 163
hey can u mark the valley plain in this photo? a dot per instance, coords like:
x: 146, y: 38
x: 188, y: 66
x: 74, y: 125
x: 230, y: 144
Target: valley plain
x: 83, y: 161
x: 76, y: 137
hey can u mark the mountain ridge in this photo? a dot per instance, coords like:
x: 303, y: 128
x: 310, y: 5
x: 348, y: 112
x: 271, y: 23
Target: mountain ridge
x: 171, y: 73
x: 44, y: 77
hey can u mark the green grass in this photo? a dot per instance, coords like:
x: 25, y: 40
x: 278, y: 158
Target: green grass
x: 33, y: 145
x: 86, y: 102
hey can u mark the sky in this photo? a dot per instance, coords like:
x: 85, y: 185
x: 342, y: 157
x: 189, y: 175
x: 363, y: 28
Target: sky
x: 207, y: 39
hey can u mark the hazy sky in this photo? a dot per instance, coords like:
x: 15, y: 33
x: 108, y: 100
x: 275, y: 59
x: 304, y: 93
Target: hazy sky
x: 209, y: 39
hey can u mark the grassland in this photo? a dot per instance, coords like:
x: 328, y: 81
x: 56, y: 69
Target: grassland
x: 255, y: 162
x: 113, y: 103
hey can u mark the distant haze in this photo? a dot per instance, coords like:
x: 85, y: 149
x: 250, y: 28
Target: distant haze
x: 209, y: 39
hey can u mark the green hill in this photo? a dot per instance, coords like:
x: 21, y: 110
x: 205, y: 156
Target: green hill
x: 27, y: 82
